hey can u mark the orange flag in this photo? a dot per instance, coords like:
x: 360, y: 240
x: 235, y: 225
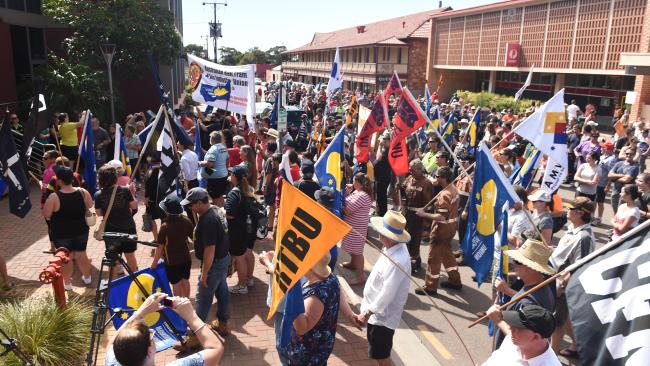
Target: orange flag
x: 306, y: 231
x: 619, y: 128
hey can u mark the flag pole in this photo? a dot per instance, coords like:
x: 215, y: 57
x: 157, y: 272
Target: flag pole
x: 84, y: 114
x: 146, y: 144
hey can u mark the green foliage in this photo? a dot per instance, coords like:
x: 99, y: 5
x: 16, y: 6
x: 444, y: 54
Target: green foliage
x: 275, y: 55
x: 196, y: 50
x: 136, y: 27
x: 498, y: 101
x: 229, y: 56
x: 253, y: 56
x: 49, y: 335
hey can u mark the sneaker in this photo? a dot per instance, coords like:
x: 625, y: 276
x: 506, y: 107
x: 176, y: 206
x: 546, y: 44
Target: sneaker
x: 237, y: 289
x: 87, y: 280
x: 67, y: 286
x: 191, y: 343
x: 220, y: 327
x: 250, y: 283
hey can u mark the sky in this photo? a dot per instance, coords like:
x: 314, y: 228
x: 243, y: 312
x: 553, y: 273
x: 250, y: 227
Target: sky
x: 292, y: 23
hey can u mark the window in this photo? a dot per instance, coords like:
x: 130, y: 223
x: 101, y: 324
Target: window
x: 399, y: 55
x: 571, y: 80
x: 37, y: 43
x: 367, y: 58
x: 584, y: 81
x: 628, y: 82
x: 599, y: 81
x: 34, y: 6
x: 16, y: 4
x: 387, y: 53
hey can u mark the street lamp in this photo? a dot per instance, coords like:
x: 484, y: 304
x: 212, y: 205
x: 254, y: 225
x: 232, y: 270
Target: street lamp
x: 108, y: 50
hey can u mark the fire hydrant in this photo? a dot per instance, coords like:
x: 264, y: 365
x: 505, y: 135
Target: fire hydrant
x: 52, y: 274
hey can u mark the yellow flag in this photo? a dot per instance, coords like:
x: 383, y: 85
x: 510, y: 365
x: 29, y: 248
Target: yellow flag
x: 306, y: 231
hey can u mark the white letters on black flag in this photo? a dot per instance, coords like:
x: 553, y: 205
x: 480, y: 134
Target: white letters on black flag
x: 169, y: 163
x: 608, y: 303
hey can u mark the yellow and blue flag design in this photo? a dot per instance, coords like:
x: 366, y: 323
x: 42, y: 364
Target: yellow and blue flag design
x: 126, y: 294
x: 472, y: 130
x: 329, y: 170
x: 121, y: 153
x: 524, y: 175
x: 490, y: 192
x: 216, y: 92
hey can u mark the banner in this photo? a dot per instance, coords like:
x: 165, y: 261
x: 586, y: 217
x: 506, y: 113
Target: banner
x: 306, y: 231
x: 376, y: 121
x: 12, y: 172
x: 608, y: 303
x: 126, y: 294
x: 119, y: 150
x: 224, y: 87
x: 409, y: 117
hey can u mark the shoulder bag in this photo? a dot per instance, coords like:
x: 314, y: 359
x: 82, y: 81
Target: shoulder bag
x: 98, y: 234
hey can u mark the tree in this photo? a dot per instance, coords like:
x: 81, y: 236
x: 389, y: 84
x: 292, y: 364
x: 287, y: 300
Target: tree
x: 275, y: 55
x: 196, y: 50
x: 253, y: 56
x: 229, y: 56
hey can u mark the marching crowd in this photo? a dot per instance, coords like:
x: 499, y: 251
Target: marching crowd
x: 243, y: 171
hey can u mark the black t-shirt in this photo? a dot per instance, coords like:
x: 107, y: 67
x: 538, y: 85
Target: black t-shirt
x: 643, y: 203
x: 308, y: 187
x: 211, y: 230
x: 120, y: 218
x: 236, y: 207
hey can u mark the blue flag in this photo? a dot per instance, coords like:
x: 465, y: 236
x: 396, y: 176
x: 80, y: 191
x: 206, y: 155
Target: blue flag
x: 87, y: 154
x: 490, y: 191
x: 12, y: 172
x: 500, y: 271
x: 447, y: 131
x: 329, y: 171
x: 273, y: 119
x: 199, y: 150
x: 126, y: 294
x: 427, y: 101
x: 524, y: 175
x: 295, y: 305
x: 216, y: 92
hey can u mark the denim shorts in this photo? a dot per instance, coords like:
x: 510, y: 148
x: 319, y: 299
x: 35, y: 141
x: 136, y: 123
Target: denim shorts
x: 75, y: 244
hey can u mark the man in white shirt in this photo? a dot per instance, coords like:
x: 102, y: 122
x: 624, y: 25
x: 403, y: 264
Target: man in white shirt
x: 573, y: 111
x: 189, y: 165
x: 527, y: 344
x: 386, y: 290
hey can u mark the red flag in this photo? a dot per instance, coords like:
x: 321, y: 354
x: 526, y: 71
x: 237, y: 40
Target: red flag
x: 394, y: 86
x: 377, y: 121
x: 409, y: 117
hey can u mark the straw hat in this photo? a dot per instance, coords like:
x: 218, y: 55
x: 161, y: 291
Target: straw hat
x: 272, y: 132
x: 533, y: 254
x: 321, y: 268
x: 392, y: 226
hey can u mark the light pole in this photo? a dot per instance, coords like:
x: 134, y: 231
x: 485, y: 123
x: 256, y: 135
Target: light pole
x: 108, y: 50
x: 215, y: 28
x: 207, y: 39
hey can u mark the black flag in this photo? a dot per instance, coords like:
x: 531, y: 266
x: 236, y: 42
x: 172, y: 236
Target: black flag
x: 37, y: 121
x: 13, y: 172
x: 608, y: 301
x: 169, y: 167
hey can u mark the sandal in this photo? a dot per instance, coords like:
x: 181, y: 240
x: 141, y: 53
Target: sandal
x: 568, y: 353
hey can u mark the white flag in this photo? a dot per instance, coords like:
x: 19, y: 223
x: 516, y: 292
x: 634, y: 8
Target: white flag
x: 554, y: 175
x: 336, y: 80
x: 526, y: 84
x: 546, y: 130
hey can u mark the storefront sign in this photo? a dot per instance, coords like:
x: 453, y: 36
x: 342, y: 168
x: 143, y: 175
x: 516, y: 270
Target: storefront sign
x: 513, y: 53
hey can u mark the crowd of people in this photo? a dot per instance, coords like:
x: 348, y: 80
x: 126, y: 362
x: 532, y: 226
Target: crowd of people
x: 244, y: 167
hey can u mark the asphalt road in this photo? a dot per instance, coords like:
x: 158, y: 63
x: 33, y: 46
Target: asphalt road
x: 442, y: 326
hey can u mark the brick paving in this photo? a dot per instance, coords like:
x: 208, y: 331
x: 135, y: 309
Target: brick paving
x: 252, y: 341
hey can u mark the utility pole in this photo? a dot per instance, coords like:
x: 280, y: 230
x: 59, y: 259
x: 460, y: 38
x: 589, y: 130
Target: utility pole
x: 215, y: 28
x: 207, y: 47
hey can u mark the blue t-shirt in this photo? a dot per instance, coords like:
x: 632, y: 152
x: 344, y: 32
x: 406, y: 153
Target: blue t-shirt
x: 218, y: 154
x: 194, y: 359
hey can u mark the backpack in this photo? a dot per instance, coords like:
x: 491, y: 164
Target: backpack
x: 259, y: 218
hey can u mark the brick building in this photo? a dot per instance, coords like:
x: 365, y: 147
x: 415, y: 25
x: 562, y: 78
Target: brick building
x: 369, y: 53
x: 574, y: 44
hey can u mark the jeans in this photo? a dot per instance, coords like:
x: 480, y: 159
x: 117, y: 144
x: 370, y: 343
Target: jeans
x: 217, y: 287
x: 277, y: 324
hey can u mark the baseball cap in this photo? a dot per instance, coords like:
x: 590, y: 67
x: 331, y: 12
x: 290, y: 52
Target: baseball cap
x: 239, y: 171
x: 193, y: 195
x: 307, y: 167
x: 540, y: 196
x: 583, y: 204
x: 608, y: 145
x: 531, y: 317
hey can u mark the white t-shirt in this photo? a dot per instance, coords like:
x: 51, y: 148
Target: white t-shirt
x: 623, y: 213
x: 509, y: 354
x: 585, y: 171
x: 572, y: 111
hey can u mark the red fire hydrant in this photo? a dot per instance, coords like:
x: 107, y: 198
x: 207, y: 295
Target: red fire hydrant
x: 52, y: 274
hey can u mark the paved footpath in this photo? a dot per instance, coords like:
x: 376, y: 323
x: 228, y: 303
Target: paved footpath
x: 22, y: 242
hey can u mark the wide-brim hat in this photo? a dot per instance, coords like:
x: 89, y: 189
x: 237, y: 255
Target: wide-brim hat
x: 171, y: 205
x: 272, y: 132
x: 533, y: 254
x: 392, y: 226
x: 322, y: 268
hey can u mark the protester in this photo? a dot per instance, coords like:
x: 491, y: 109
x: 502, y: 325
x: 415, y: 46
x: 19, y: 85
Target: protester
x: 239, y: 229
x: 383, y: 175
x: 134, y: 341
x: 429, y: 158
x: 306, y: 184
x: 358, y: 202
x: 215, y: 169
x: 122, y: 179
x: 211, y: 244
x: 519, y: 226
x: 247, y: 155
x: 623, y: 172
x: 386, y: 290
x: 628, y: 214
x: 68, y: 136
x: 418, y: 192
x: 173, y: 240
x: 605, y: 165
x: 133, y: 145
x: 116, y: 202
x: 643, y: 202
x: 543, y: 220
x: 576, y: 243
x: 527, y: 341
x: 443, y: 229
x: 189, y: 166
x: 587, y: 176
x: 66, y: 210
x: 101, y: 142
x: 152, y: 196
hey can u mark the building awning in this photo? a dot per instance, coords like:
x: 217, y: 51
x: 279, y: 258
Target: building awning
x: 635, y: 63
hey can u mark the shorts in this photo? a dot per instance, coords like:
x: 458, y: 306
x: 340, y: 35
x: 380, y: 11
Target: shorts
x: 70, y: 152
x: 600, y: 194
x: 592, y: 197
x: 217, y: 187
x: 75, y: 244
x: 124, y: 247
x: 380, y: 341
x: 178, y: 272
